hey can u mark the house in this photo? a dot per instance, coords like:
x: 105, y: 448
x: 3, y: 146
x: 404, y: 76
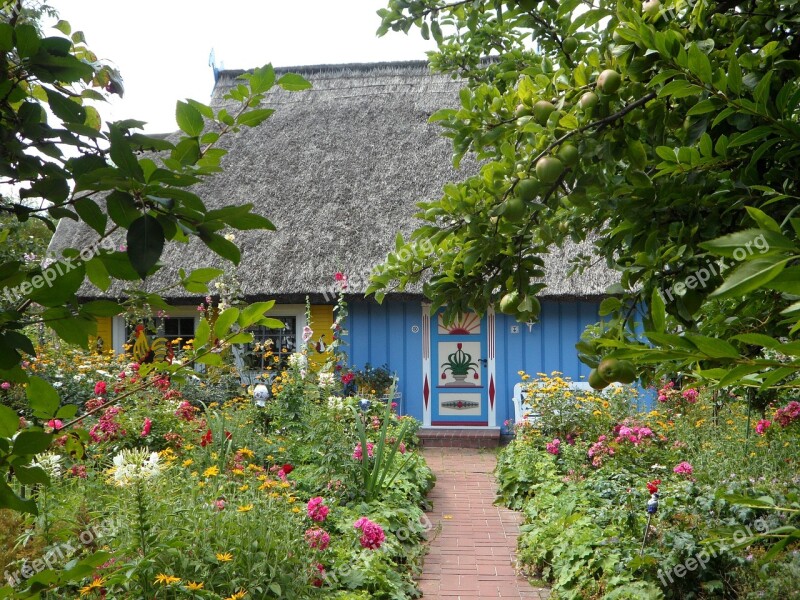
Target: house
x: 338, y: 169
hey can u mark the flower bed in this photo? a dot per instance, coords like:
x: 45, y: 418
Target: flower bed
x: 180, y: 499
x: 718, y: 505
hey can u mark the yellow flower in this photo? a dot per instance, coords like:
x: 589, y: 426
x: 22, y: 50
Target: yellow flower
x: 194, y: 586
x: 296, y: 510
x: 237, y: 471
x: 188, y: 462
x: 237, y: 596
x: 245, y: 508
x: 244, y: 488
x: 247, y: 452
x: 224, y: 556
x: 167, y: 579
x: 94, y: 585
x: 211, y: 471
x: 270, y: 457
x: 281, y: 449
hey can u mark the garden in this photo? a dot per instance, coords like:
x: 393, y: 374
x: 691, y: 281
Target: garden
x: 695, y: 496
x: 160, y: 489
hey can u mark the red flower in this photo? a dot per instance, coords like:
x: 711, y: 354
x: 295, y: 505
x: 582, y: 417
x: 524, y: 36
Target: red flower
x: 347, y: 378
x: 228, y: 435
x: 287, y: 468
x: 100, y: 388
x: 652, y: 486
x: 206, y: 439
x: 147, y: 425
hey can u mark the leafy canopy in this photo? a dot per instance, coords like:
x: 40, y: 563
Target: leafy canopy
x: 663, y: 135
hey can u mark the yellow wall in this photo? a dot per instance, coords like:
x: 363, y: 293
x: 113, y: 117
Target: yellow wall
x: 104, y: 332
x: 321, y: 321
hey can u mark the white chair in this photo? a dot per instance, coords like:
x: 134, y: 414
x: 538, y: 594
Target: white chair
x: 523, y: 412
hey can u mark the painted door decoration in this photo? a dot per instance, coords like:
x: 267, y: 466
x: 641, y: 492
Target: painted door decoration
x: 459, y: 376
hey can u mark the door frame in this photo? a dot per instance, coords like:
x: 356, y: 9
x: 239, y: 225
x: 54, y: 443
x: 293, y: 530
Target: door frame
x: 428, y: 383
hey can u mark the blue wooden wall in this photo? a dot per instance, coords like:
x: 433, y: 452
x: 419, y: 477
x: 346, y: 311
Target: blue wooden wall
x: 383, y: 334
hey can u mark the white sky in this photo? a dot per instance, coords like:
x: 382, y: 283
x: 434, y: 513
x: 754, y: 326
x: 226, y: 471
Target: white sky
x: 162, y: 47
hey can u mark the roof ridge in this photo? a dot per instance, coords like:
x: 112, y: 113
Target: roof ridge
x: 332, y: 68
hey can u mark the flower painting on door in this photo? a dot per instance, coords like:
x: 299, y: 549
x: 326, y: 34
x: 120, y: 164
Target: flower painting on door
x: 462, y: 364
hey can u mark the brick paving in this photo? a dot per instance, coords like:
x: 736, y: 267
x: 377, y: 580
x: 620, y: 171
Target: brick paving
x: 473, y: 554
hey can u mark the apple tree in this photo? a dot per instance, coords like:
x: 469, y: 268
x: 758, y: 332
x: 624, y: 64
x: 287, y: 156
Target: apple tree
x: 662, y: 135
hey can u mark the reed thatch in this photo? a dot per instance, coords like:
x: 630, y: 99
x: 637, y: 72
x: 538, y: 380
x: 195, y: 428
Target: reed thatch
x: 338, y: 169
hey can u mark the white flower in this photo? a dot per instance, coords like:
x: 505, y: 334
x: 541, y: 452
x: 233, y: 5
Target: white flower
x: 326, y: 379
x: 77, y: 377
x: 657, y: 467
x: 335, y: 402
x: 230, y: 237
x: 134, y: 465
x: 57, y: 384
x: 298, y: 360
x: 49, y: 462
x: 308, y: 333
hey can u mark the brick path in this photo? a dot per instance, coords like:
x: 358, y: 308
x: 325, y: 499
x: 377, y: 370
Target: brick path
x: 472, y: 556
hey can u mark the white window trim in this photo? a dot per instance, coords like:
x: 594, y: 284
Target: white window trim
x: 279, y: 310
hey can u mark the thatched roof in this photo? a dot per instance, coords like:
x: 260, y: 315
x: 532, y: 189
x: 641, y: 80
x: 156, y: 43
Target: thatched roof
x: 338, y: 169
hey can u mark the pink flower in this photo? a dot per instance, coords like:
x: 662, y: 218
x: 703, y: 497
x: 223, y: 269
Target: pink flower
x: 683, y: 468
x: 308, y: 333
x: 316, y: 509
x: 762, y: 426
x: 690, y: 395
x: 147, y: 425
x: 317, y: 538
x: 5, y: 385
x: 358, y: 453
x: 56, y: 424
x: 788, y: 414
x: 78, y: 471
x: 553, y: 447
x: 401, y: 448
x: 100, y: 388
x: 372, y: 535
x: 341, y: 278
x: 347, y: 378
x: 185, y: 411
x: 220, y: 503
x: 318, y: 581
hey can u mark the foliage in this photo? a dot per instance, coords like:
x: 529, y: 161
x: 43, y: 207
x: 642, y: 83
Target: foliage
x: 131, y: 189
x: 727, y: 495
x: 228, y: 502
x: 373, y: 380
x: 662, y: 133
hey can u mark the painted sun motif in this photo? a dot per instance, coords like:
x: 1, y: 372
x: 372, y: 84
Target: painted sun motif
x: 468, y: 324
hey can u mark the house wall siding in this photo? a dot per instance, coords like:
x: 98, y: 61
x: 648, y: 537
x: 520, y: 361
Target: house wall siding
x: 384, y: 334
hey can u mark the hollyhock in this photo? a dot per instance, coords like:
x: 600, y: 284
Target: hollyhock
x: 347, y: 378
x: 317, y: 538
x: 372, y: 535
x: 553, y: 447
x: 683, y: 468
x: 652, y: 486
x: 100, y: 388
x: 316, y: 509
x: 762, y: 426
x: 148, y: 424
x: 788, y: 414
x: 358, y: 453
x: 308, y: 333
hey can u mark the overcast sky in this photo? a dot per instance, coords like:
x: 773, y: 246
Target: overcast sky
x: 162, y: 47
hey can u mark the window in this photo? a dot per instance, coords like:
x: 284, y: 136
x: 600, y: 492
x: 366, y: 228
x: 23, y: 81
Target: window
x: 270, y: 348
x: 170, y: 328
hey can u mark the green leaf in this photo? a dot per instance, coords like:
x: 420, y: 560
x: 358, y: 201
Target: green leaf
x: 68, y: 411
x: 31, y: 475
x: 254, y: 117
x: 145, y: 244
x: 42, y: 398
x: 224, y: 321
x: 123, y: 156
x: 91, y: 214
x: 9, y: 499
x: 187, y: 152
x: 763, y: 220
x: 715, y: 348
x: 6, y: 37
x: 64, y: 108
x: 102, y: 308
x: 262, y: 79
x: 58, y: 283
x: 221, y: 246
x: 609, y: 305
x: 750, y: 276
x: 189, y: 119
x: 31, y: 442
x: 699, y: 64
x: 293, y: 82
x: 9, y: 421
x: 254, y: 312
x: 122, y: 208
x: 658, y: 312
x: 27, y: 40
x: 749, y: 243
x: 757, y: 339
x: 202, y: 334
x: 70, y: 328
